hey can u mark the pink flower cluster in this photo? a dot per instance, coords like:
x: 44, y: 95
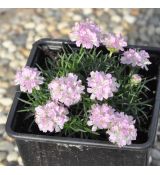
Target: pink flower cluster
x: 101, y: 116
x: 136, y: 79
x: 28, y: 78
x: 136, y: 58
x: 101, y: 85
x: 66, y: 89
x: 119, y: 126
x: 114, y: 42
x: 122, y: 130
x: 51, y: 117
x: 86, y: 33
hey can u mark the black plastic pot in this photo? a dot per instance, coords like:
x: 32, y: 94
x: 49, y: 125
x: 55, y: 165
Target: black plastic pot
x: 41, y: 149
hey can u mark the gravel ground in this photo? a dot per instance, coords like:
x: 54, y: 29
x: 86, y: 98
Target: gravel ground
x: 22, y: 27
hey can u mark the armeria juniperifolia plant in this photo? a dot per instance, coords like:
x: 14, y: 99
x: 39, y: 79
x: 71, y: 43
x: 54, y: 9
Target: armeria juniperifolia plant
x: 92, y: 92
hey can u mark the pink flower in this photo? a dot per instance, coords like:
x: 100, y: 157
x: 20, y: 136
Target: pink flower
x: 122, y: 130
x: 101, y: 85
x: 51, y: 117
x: 119, y: 126
x: 136, y: 58
x: 114, y: 42
x: 28, y: 78
x: 67, y: 89
x: 135, y: 79
x: 86, y: 33
x: 100, y: 116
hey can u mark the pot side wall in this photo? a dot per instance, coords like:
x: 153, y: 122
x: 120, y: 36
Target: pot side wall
x: 52, y: 154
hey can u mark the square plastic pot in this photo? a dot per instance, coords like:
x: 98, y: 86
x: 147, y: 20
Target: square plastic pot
x: 40, y: 149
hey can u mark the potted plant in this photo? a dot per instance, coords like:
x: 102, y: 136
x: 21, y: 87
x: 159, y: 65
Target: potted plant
x: 89, y: 101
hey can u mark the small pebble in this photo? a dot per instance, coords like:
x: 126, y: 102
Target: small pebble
x: 129, y: 19
x: 3, y: 119
x: 2, y: 129
x: 20, y: 39
x: 7, y: 44
x: 2, y: 91
x: 155, y: 154
x: 76, y: 17
x: 29, y: 25
x: 2, y: 156
x: 6, y: 101
x: 87, y: 11
x: 155, y: 163
x: 20, y: 161
x: 116, y: 18
x: 158, y: 30
x: 12, y: 156
x: 6, y: 146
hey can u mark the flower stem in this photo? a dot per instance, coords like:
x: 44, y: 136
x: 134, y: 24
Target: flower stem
x: 110, y: 54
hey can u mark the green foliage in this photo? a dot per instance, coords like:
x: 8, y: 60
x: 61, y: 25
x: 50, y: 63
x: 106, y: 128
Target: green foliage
x: 132, y: 100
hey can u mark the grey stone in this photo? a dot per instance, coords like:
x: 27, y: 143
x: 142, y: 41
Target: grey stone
x: 155, y: 162
x: 6, y: 146
x: 2, y: 91
x: 77, y: 17
x: 151, y: 30
x: 2, y: 156
x: 57, y: 14
x: 144, y: 37
x: 39, y: 28
x: 20, y: 161
x: 7, y: 138
x: 16, y: 148
x: 3, y: 119
x: 116, y: 18
x: 20, y: 39
x: 125, y: 12
x: 118, y: 29
x: 157, y: 143
x: 130, y: 19
x: 147, y: 15
x: 2, y: 129
x: 61, y: 26
x: 12, y: 48
x: 150, y: 160
x: 6, y: 101
x: 157, y: 30
x: 12, y: 156
x: 155, y: 21
x: 142, y: 30
x: 37, y: 19
x: 150, y: 13
x: 155, y: 153
x: 87, y: 11
x: 4, y: 62
x: 7, y: 44
x: 140, y: 23
x: 30, y: 25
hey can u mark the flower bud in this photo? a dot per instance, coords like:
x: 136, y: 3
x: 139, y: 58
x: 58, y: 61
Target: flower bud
x: 135, y: 79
